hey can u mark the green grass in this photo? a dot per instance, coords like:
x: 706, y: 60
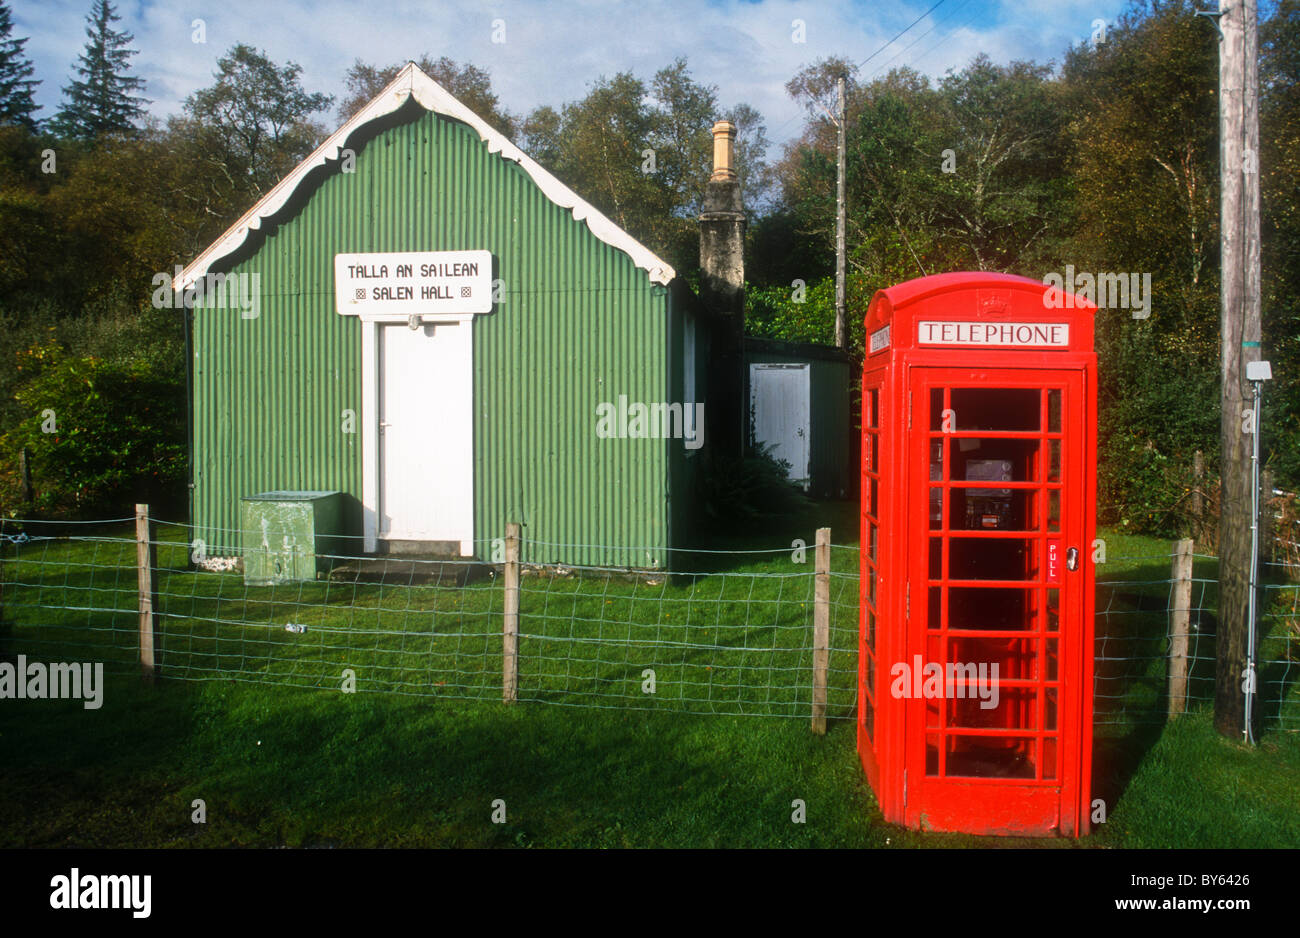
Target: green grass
x: 409, y: 762
x: 732, y: 638
x: 302, y: 768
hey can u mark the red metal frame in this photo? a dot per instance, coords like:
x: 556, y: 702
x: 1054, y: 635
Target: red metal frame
x: 978, y: 478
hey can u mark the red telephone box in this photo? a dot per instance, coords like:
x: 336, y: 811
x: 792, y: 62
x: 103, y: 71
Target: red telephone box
x: 975, y: 672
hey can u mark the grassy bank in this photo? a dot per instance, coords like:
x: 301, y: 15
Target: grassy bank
x: 260, y: 733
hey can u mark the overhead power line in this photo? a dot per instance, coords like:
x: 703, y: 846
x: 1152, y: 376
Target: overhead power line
x: 896, y: 38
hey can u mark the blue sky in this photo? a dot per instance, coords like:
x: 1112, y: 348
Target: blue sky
x: 554, y: 48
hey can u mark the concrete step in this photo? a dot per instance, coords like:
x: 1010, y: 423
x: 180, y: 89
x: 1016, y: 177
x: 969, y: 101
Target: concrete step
x: 436, y: 571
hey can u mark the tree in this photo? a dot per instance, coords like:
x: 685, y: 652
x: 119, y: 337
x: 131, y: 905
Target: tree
x: 1003, y: 127
x: 468, y: 83
x: 30, y: 231
x: 255, y: 120
x: 16, y: 84
x: 102, y: 100
x: 1279, y: 159
x: 892, y: 154
x: 683, y: 112
x: 968, y: 175
x: 601, y: 142
x: 100, y: 432
x: 1143, y: 139
x: 814, y: 86
x: 643, y: 153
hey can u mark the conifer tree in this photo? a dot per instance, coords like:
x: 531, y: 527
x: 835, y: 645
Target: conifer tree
x: 101, y: 100
x: 16, y: 84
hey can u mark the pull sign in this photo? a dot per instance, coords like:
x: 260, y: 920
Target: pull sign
x: 1053, y: 560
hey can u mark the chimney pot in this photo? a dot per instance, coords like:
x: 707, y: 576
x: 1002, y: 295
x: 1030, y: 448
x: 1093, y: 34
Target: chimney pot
x: 724, y: 141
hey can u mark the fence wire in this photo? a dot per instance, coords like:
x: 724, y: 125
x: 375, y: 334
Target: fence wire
x: 734, y: 637
x: 1135, y: 635
x: 737, y: 639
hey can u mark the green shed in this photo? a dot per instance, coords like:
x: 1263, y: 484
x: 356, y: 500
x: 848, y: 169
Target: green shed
x: 423, y: 319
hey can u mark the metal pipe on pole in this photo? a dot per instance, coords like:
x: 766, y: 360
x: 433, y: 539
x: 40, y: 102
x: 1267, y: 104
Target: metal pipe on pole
x: 1256, y: 373
x: 1254, y: 574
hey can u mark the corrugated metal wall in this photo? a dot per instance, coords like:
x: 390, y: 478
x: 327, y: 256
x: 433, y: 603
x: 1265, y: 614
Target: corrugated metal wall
x: 578, y: 324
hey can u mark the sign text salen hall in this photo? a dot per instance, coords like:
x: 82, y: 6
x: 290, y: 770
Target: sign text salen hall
x: 407, y: 283
x: 1007, y: 334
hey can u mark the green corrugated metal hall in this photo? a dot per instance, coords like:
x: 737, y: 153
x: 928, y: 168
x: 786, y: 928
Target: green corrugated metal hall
x: 510, y: 395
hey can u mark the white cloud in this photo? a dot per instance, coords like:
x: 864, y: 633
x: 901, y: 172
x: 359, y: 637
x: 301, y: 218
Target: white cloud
x: 554, y: 49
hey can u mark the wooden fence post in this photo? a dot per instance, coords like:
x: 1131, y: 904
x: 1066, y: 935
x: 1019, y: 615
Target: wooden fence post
x: 1180, y: 612
x: 821, y: 628
x: 145, y: 559
x: 510, y: 636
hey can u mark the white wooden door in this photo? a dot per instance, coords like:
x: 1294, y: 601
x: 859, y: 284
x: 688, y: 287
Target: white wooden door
x: 781, y: 401
x: 426, y: 440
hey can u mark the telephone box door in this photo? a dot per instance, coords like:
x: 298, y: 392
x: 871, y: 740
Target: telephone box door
x: 995, y: 592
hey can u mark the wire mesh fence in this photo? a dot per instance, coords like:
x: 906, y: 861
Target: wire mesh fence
x: 734, y: 637
x: 1155, y: 638
x: 724, y: 633
x: 1136, y: 625
x: 1279, y: 649
x: 735, y: 641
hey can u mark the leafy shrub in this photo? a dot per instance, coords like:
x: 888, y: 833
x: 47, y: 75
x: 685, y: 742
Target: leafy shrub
x: 100, y: 433
x: 742, y: 493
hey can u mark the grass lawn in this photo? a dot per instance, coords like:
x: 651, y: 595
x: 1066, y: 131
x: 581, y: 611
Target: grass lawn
x: 408, y: 761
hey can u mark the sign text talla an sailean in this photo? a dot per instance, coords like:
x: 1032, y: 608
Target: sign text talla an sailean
x: 405, y: 283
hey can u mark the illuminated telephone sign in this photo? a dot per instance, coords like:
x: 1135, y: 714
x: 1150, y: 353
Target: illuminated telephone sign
x: 978, y: 495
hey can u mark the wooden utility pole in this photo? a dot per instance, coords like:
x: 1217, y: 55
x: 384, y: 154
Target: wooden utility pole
x: 841, y: 332
x: 1240, y: 337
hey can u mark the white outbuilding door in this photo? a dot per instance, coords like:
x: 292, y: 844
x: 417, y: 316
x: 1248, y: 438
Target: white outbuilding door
x: 426, y: 440
x: 780, y: 399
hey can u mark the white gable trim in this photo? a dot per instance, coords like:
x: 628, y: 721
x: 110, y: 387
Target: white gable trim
x: 412, y: 82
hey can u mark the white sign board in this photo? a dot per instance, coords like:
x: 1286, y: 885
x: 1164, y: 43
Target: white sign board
x: 1004, y: 334
x: 413, y: 283
x: 879, y: 340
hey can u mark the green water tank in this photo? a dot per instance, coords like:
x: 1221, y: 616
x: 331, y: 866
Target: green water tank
x: 289, y: 536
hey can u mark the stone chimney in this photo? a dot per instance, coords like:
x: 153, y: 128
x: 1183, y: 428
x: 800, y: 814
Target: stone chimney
x: 722, y: 293
x: 722, y: 230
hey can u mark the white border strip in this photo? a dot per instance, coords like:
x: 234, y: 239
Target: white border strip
x: 412, y: 82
